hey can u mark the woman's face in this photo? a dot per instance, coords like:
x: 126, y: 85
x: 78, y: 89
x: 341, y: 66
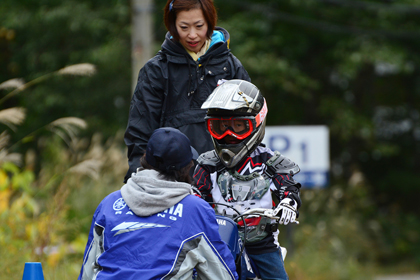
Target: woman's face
x: 192, y: 29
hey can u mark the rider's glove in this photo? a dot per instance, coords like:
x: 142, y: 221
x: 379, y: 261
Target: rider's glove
x: 288, y: 208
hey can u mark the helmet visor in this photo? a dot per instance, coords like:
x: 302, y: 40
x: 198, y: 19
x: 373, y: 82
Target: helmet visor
x: 237, y: 127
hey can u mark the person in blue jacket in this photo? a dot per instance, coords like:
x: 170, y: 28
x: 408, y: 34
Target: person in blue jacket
x: 153, y: 228
x: 171, y: 87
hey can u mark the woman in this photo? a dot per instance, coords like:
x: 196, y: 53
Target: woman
x: 172, y: 86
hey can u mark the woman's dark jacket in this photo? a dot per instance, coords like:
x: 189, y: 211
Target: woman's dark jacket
x: 171, y: 88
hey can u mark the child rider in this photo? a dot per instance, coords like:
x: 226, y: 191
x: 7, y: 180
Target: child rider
x: 244, y: 173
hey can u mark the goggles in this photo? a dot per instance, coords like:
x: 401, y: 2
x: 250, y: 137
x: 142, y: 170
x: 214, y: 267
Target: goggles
x: 238, y: 127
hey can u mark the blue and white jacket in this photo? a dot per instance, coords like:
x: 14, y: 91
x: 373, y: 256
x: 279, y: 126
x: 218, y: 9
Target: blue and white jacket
x: 126, y: 241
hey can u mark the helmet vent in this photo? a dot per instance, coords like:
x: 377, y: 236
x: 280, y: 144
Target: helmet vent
x: 244, y: 97
x: 226, y: 157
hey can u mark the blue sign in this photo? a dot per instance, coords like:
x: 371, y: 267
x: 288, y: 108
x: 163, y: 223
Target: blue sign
x: 307, y: 146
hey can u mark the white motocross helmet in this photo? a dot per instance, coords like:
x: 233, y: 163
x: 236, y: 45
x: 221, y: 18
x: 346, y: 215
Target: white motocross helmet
x: 236, y: 115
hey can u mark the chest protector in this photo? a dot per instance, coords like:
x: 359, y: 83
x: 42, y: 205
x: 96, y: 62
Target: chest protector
x: 235, y: 187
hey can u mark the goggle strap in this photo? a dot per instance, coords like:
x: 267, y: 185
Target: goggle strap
x: 259, y: 118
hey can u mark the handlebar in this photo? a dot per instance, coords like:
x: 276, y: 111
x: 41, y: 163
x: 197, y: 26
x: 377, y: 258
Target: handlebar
x: 269, y: 213
x: 274, y: 214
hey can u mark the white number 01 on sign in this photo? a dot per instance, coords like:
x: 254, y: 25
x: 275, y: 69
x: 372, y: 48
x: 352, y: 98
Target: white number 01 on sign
x: 307, y: 146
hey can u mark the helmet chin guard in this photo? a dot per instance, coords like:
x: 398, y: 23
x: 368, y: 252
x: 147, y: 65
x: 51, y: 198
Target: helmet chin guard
x: 236, y: 116
x: 227, y: 156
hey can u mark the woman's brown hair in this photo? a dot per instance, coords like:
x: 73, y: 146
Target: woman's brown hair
x: 182, y: 175
x: 173, y: 7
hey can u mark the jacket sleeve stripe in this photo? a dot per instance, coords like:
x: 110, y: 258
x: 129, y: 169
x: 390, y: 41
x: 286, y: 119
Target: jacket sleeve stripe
x: 195, y: 252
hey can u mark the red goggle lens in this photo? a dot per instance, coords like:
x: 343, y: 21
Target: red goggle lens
x: 239, y: 128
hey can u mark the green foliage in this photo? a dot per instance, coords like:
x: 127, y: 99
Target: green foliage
x: 34, y: 192
x: 39, y: 37
x: 351, y: 65
x: 40, y: 219
x: 47, y: 218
